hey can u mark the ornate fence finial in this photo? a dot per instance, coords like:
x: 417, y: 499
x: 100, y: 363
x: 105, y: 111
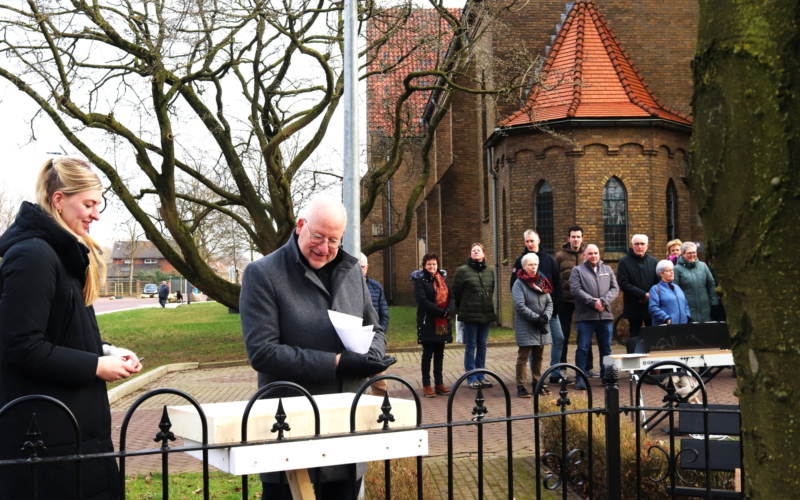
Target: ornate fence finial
x: 670, y: 397
x: 34, y: 445
x: 387, y: 416
x: 479, y: 410
x: 165, y: 435
x: 563, y: 401
x: 281, y: 425
x: 611, y: 375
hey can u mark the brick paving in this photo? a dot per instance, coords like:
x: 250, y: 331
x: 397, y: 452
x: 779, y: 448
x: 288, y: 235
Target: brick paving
x: 239, y: 383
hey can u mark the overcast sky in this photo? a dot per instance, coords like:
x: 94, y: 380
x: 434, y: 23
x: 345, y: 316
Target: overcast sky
x: 23, y: 158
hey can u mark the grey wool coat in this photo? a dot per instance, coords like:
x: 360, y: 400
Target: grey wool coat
x: 288, y: 334
x: 529, y: 305
x: 587, y: 285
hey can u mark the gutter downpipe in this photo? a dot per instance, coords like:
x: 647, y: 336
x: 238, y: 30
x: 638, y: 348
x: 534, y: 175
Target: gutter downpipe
x: 389, y: 195
x: 494, y: 233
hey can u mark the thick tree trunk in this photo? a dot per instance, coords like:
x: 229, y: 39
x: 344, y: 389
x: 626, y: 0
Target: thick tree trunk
x: 744, y: 177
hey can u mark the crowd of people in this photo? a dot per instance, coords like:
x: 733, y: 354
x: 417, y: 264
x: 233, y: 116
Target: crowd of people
x: 547, y: 292
x: 51, y: 272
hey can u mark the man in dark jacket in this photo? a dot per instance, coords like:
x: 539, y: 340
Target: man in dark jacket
x: 163, y: 294
x: 288, y: 334
x: 549, y: 268
x: 382, y: 308
x: 636, y: 274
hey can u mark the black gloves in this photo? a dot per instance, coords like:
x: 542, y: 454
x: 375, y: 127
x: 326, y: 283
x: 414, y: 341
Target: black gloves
x: 540, y: 321
x: 354, y: 365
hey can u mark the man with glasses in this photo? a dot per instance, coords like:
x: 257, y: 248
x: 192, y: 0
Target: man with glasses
x: 288, y: 335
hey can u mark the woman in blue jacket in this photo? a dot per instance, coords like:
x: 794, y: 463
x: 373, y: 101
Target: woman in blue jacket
x: 668, y: 303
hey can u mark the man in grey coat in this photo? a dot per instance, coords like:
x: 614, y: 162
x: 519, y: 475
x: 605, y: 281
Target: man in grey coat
x: 288, y: 335
x: 594, y: 288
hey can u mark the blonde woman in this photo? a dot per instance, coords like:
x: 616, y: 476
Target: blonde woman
x: 50, y: 344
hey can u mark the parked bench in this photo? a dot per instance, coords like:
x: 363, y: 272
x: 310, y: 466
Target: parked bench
x: 724, y: 456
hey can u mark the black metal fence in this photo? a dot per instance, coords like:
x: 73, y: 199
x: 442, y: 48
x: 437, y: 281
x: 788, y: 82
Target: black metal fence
x: 563, y: 464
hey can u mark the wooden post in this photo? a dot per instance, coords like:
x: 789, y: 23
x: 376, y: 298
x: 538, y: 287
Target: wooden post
x: 300, y: 484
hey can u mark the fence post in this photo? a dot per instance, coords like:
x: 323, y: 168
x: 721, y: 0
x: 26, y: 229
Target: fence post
x: 613, y: 459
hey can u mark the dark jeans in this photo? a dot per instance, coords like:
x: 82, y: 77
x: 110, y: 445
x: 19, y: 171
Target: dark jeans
x: 636, y: 325
x: 565, y: 318
x: 163, y: 302
x: 435, y: 351
x: 334, y: 490
x: 602, y: 329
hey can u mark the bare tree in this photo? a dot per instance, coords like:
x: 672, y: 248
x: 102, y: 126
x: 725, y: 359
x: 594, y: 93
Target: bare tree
x: 157, y: 94
x: 133, y: 232
x: 9, y: 206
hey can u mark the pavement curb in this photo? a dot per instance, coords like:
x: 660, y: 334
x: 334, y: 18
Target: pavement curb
x: 136, y: 384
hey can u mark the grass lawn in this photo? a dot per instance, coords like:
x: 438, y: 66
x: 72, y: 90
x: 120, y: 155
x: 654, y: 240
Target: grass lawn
x: 206, y: 332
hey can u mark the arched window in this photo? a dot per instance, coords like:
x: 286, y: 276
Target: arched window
x: 672, y: 209
x: 615, y: 216
x: 544, y: 217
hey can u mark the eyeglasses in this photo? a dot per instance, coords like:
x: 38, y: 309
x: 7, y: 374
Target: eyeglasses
x: 316, y: 240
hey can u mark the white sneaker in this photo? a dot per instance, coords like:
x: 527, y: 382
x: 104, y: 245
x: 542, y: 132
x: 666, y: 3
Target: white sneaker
x: 593, y: 374
x: 563, y: 373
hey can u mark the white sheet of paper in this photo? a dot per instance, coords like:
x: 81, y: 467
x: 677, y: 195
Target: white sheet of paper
x: 354, y: 336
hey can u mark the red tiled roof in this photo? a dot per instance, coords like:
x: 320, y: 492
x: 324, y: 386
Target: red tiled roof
x: 588, y: 74
x: 421, y: 44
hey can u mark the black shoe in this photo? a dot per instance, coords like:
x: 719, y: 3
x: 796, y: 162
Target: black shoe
x: 544, y: 392
x: 486, y: 384
x: 522, y: 392
x: 557, y: 381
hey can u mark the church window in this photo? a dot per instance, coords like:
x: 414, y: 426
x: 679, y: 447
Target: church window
x: 544, y: 217
x: 615, y: 216
x: 672, y: 205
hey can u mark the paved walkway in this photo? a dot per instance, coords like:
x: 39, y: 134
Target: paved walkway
x: 239, y: 383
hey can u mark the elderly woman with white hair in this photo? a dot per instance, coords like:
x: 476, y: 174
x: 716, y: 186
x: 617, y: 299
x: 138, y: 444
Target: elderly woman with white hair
x: 533, y: 308
x: 695, y: 279
x: 668, y: 304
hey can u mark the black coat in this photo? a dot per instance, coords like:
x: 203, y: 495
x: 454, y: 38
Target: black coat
x: 428, y: 311
x: 549, y: 268
x: 635, y: 276
x: 163, y: 292
x: 49, y: 345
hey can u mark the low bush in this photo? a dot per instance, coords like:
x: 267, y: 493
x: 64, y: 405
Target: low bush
x: 404, y: 480
x: 654, y: 464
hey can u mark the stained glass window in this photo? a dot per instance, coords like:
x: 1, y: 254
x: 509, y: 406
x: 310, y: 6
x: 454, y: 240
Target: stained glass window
x: 544, y: 217
x: 615, y: 216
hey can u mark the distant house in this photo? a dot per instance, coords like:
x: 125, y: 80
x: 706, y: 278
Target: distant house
x: 147, y: 259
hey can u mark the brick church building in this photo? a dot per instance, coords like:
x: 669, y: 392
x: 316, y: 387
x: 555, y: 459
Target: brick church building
x: 617, y: 166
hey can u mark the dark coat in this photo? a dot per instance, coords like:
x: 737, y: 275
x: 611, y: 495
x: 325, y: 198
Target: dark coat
x: 287, y: 332
x: 49, y: 345
x: 698, y: 284
x: 428, y: 311
x: 636, y: 276
x: 379, y: 302
x: 566, y: 259
x: 473, y: 287
x: 163, y: 292
x: 549, y: 268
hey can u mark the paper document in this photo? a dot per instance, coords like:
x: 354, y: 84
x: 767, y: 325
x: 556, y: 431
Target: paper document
x: 356, y: 338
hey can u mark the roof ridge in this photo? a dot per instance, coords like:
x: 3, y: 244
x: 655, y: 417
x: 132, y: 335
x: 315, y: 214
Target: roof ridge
x: 578, y: 68
x: 607, y: 37
x: 548, y: 63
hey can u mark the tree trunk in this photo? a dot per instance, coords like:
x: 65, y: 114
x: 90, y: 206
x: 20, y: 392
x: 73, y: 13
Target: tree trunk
x: 744, y: 178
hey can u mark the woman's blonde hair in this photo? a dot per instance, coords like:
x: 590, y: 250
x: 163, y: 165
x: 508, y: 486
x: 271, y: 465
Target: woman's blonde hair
x: 672, y: 244
x: 72, y: 176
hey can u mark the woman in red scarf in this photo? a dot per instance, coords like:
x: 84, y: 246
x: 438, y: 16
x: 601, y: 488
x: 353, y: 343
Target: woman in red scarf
x: 435, y: 308
x: 533, y: 309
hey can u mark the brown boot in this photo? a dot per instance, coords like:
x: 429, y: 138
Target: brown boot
x: 428, y: 392
x: 441, y: 389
